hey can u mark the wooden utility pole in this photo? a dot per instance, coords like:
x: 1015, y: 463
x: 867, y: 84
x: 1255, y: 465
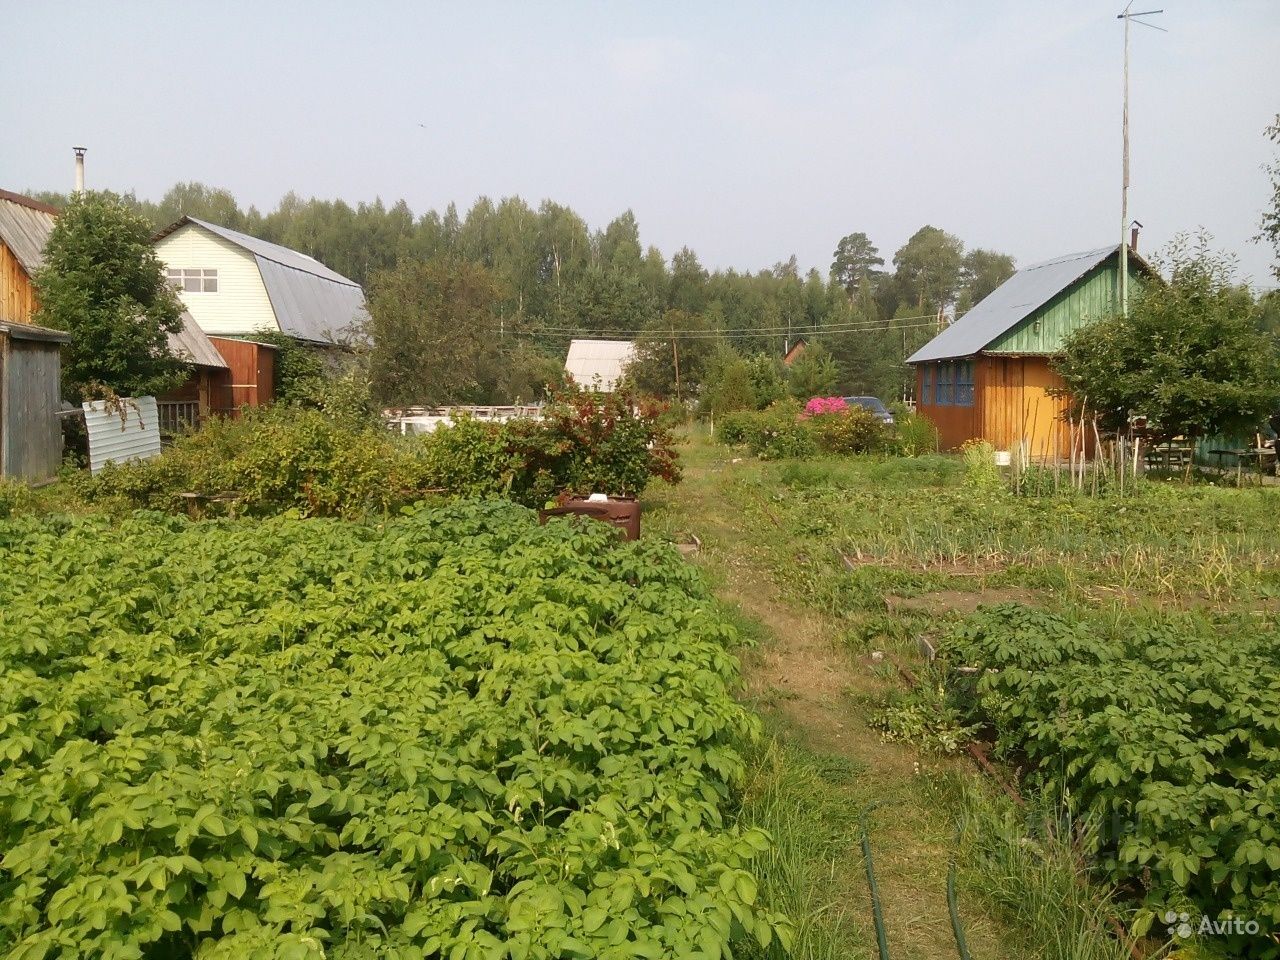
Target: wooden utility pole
x: 675, y: 358
x: 1126, y: 16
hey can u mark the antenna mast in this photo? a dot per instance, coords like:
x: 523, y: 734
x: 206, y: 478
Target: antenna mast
x: 1126, y: 16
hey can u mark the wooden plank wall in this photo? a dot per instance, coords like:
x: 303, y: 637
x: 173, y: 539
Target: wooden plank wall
x: 31, y: 432
x: 252, y: 377
x: 1017, y: 405
x: 17, y: 295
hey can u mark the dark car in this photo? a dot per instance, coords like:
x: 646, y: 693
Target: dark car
x: 873, y: 405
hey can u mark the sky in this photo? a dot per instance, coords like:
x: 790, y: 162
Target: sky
x: 746, y: 131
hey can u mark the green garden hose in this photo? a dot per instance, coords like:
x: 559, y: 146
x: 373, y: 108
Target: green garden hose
x: 877, y: 912
x: 956, y: 929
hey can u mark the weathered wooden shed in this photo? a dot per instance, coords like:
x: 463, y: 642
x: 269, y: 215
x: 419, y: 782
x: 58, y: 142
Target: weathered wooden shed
x: 30, y: 401
x: 988, y: 375
x: 207, y: 391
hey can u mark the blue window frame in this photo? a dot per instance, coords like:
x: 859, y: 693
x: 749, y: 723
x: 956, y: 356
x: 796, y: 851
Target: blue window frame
x: 926, y: 383
x: 946, y: 384
x: 964, y: 383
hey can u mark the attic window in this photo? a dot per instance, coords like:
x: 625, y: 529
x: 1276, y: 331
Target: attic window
x: 194, y: 281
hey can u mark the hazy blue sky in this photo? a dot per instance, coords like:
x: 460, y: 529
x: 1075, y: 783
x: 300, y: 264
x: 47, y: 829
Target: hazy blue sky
x: 746, y: 131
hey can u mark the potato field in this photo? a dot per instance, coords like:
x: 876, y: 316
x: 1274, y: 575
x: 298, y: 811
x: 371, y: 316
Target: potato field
x: 455, y: 734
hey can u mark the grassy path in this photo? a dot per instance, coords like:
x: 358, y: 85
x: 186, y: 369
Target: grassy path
x: 815, y: 695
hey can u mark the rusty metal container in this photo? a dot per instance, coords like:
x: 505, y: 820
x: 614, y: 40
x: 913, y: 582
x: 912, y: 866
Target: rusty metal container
x: 621, y: 512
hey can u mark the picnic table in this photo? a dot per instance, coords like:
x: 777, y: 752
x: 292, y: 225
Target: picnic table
x: 1258, y: 455
x: 1171, y: 455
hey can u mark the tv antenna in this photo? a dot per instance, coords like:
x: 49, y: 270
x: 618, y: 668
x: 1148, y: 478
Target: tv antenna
x: 1128, y: 16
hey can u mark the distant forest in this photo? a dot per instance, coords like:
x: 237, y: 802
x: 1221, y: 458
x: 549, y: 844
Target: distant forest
x: 554, y: 278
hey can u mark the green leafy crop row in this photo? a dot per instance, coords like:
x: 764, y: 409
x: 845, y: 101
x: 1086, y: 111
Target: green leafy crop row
x: 458, y: 734
x: 1165, y: 733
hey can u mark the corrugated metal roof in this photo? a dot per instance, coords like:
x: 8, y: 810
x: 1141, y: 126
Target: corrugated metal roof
x: 1010, y: 303
x: 29, y: 331
x: 25, y: 225
x: 311, y: 302
x: 310, y: 307
x: 118, y: 439
x: 599, y: 364
x: 190, y: 344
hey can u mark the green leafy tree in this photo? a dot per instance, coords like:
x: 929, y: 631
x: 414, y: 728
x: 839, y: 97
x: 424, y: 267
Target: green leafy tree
x: 673, y: 354
x: 103, y: 283
x: 1189, y: 356
x: 927, y: 270
x: 728, y: 385
x: 855, y: 260
x: 981, y: 271
x: 813, y: 374
x: 768, y: 378
x: 431, y: 325
x: 1271, y: 216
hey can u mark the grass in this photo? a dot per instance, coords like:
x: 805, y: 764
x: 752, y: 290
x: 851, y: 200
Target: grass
x: 799, y: 798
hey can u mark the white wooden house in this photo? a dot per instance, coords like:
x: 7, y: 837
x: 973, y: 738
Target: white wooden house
x: 236, y: 285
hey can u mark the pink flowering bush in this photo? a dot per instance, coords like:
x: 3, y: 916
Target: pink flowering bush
x: 820, y: 405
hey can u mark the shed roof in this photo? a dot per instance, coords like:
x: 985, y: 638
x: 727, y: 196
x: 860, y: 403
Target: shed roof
x: 25, y: 225
x: 190, y: 343
x: 1012, y: 302
x: 29, y: 331
x: 311, y: 302
x: 599, y: 363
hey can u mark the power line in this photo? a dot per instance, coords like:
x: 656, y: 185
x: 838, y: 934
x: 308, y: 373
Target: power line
x: 664, y: 335
x: 753, y: 331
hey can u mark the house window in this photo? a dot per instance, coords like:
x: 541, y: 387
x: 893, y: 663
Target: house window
x: 964, y: 383
x: 926, y: 383
x: 194, y: 281
x: 946, y: 384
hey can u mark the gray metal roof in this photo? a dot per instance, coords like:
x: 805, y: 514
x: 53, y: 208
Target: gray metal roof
x: 25, y: 225
x: 1009, y: 304
x: 310, y: 307
x: 190, y: 344
x: 311, y: 302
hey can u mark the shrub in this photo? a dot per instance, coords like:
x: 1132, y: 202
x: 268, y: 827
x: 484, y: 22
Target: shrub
x: 305, y: 459
x: 848, y: 431
x: 14, y: 496
x: 591, y: 443
x: 820, y: 405
x: 270, y: 460
x: 913, y: 435
x: 738, y: 429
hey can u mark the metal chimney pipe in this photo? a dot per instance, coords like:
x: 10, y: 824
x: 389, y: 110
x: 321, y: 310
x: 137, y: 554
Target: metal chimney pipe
x: 79, y: 168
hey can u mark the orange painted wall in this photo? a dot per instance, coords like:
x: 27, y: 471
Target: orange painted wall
x: 1012, y: 404
x: 17, y: 295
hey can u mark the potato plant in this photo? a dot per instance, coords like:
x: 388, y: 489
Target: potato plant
x: 1164, y: 732
x: 457, y: 734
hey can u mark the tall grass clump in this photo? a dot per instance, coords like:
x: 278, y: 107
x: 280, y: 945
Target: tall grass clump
x: 812, y: 824
x: 1023, y: 863
x: 980, y: 470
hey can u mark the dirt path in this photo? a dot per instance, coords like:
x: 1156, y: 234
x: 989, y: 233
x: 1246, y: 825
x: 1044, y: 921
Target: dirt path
x: 819, y: 691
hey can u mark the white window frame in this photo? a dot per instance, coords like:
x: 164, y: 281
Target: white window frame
x: 193, y: 280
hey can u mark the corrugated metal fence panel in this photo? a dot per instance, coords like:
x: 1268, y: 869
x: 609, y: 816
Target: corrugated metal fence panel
x: 117, y: 439
x: 31, y: 432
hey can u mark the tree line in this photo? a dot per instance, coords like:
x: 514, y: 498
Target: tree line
x: 493, y: 296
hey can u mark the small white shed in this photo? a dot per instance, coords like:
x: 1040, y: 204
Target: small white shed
x: 599, y: 364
